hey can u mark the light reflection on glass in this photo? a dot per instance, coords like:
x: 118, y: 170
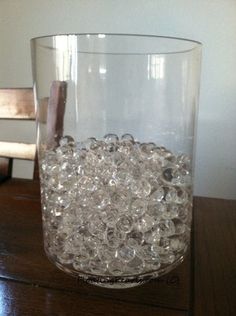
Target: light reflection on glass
x: 102, y: 70
x: 155, y: 67
x: 101, y: 35
x: 4, y: 303
x: 66, y: 61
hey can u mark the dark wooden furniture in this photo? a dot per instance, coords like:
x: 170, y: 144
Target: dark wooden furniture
x: 31, y: 285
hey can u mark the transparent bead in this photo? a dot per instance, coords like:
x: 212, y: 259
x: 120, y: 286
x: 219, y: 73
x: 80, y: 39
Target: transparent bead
x: 66, y: 140
x: 91, y: 246
x: 157, y: 195
x: 118, y: 158
x: 153, y: 266
x: 106, y: 254
x: 147, y: 148
x: 167, y: 258
x: 166, y: 228
x: 177, y: 244
x: 172, y: 211
x: 152, y: 237
x: 162, y: 245
x: 136, y: 265
x: 64, y: 153
x: 113, y: 237
x: 95, y: 225
x: 91, y: 159
x: 97, y: 145
x: 132, y: 242
x: 101, y: 199
x: 113, y: 184
x: 123, y: 174
x: 76, y: 240
x: 124, y: 224
x: 107, y: 174
x: 63, y: 201
x: 90, y: 142
x: 97, y: 266
x: 81, y: 265
x: 181, y: 177
x: 116, y: 267
x: 127, y: 137
x: 184, y: 212
x: 120, y: 200
x: 156, y: 158
x: 141, y: 188
x: 171, y: 195
x: 182, y: 196
x: 65, y: 258
x: 126, y: 253
x: 180, y: 227
x: 184, y: 162
x: 168, y: 174
x: 85, y: 183
x: 111, y: 138
x: 156, y: 210
x: 150, y: 254
x: 138, y: 207
x: 80, y: 156
x: 126, y: 148
x: 154, y: 181
x: 135, y: 235
x: 82, y: 256
x: 145, y: 223
x: 109, y: 216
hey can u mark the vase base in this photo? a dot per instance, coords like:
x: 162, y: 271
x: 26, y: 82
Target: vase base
x: 117, y: 282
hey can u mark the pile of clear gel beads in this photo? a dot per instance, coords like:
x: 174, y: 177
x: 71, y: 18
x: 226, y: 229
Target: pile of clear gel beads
x: 115, y: 207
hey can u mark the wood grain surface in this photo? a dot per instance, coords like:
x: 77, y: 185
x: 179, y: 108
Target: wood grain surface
x: 31, y: 285
x: 17, y: 103
x: 215, y: 257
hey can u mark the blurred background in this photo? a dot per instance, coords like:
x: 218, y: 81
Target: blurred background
x: 211, y: 22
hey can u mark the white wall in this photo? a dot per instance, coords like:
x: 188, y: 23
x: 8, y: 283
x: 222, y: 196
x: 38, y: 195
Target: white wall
x: 211, y: 22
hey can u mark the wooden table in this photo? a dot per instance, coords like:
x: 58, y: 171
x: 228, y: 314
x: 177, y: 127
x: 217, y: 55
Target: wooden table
x: 204, y: 284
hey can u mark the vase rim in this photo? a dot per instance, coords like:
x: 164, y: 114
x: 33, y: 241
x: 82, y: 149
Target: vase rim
x: 193, y: 44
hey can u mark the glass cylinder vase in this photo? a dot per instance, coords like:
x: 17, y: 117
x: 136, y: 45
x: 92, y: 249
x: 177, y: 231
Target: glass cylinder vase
x: 115, y: 137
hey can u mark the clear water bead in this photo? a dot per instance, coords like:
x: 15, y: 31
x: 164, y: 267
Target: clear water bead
x: 95, y: 225
x: 125, y: 223
x: 171, y: 211
x: 97, y: 266
x: 116, y: 267
x: 111, y: 138
x: 156, y: 210
x: 167, y: 258
x: 110, y: 216
x: 141, y: 188
x: 127, y: 137
x: 166, y: 228
x: 126, y: 253
x: 145, y: 223
x: 66, y: 140
x: 114, y: 237
x: 157, y: 195
x: 101, y: 199
x: 138, y: 207
x: 136, y: 265
x: 150, y: 254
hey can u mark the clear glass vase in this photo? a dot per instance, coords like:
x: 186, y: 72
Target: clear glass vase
x: 115, y: 136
